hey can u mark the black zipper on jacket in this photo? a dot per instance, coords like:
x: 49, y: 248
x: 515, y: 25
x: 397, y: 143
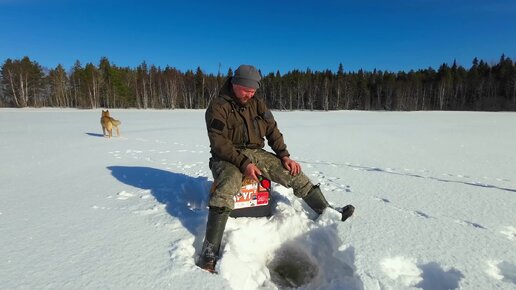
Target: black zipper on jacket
x: 256, y: 129
x: 244, y: 127
x: 238, y: 111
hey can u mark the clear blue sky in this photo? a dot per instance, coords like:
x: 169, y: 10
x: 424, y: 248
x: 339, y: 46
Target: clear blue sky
x: 272, y: 35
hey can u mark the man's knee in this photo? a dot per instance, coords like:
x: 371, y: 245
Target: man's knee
x: 222, y: 202
x: 225, y: 187
x: 301, y: 185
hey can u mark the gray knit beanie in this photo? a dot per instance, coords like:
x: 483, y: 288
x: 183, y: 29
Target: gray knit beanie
x: 247, y: 76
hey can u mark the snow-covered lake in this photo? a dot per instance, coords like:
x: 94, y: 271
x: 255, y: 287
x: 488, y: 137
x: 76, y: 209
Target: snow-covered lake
x: 435, y: 198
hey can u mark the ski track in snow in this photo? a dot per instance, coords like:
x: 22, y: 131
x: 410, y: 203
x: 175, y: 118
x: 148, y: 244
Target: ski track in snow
x: 332, y: 184
x: 420, y: 173
x: 331, y: 270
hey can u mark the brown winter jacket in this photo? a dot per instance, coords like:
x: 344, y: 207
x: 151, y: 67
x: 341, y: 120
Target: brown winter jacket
x: 232, y: 126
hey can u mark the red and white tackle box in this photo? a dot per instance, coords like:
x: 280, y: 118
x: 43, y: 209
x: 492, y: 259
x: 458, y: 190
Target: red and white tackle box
x: 254, y: 199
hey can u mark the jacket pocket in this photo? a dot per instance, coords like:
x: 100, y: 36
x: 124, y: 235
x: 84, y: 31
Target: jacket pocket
x: 236, y: 132
x: 260, y: 126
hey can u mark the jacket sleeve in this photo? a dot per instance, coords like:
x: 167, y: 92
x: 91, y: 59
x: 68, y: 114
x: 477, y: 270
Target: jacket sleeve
x: 272, y: 133
x: 221, y: 146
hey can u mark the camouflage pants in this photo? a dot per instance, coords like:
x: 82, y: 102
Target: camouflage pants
x: 228, y: 178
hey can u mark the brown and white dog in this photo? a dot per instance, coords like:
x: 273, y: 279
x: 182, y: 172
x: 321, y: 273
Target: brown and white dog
x: 108, y: 123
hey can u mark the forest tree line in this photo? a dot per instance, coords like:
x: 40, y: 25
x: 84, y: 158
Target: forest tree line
x: 481, y: 87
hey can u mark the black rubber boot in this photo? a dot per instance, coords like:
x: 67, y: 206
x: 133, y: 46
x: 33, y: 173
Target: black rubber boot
x: 316, y: 200
x: 217, y: 218
x: 346, y: 211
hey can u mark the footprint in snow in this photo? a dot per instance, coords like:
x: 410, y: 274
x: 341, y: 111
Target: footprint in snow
x: 382, y: 199
x: 416, y: 213
x: 421, y: 214
x: 471, y: 224
x: 331, y: 182
x: 123, y: 195
x: 152, y: 210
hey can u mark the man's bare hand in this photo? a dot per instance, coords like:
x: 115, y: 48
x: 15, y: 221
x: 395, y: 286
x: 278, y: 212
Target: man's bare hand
x: 252, y: 172
x: 291, y: 165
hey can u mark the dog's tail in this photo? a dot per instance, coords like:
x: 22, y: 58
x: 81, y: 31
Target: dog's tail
x: 116, y: 122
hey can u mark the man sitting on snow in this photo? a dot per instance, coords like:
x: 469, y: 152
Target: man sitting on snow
x: 237, y: 124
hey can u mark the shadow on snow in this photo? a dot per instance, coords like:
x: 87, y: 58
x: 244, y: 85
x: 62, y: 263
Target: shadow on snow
x: 185, y: 197
x: 94, y: 134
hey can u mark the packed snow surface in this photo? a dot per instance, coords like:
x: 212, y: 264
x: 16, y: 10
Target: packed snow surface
x: 435, y: 198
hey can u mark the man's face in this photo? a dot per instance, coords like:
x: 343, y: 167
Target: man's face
x: 243, y: 94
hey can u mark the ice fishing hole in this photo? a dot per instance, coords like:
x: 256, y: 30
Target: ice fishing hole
x: 291, y: 267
